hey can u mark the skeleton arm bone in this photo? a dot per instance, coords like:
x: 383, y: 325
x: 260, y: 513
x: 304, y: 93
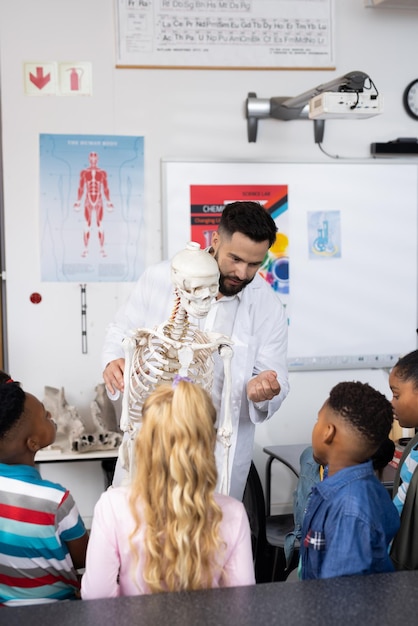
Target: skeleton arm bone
x: 225, y: 429
x: 217, y: 341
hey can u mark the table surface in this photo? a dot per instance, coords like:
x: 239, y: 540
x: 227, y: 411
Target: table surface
x: 375, y: 600
x: 56, y: 456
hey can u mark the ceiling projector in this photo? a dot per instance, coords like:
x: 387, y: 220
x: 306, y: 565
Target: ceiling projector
x: 353, y: 95
x: 344, y: 104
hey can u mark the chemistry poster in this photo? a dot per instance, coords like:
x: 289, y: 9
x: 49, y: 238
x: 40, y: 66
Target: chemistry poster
x: 207, y: 203
x: 324, y: 234
x: 91, y: 207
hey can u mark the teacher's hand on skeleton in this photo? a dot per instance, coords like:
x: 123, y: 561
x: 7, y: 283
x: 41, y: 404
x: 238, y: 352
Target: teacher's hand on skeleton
x: 113, y: 376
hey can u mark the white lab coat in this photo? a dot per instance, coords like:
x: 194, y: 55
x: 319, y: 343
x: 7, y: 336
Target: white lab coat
x: 260, y: 343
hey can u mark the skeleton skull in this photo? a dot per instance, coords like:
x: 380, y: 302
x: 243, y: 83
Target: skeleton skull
x: 195, y: 275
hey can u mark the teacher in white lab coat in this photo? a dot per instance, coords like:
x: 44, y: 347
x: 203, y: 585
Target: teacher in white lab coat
x: 245, y: 309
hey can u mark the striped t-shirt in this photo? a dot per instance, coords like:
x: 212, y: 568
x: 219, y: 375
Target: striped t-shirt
x: 408, y: 468
x: 37, y: 518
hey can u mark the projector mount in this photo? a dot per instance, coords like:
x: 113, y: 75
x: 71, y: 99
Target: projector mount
x: 287, y: 108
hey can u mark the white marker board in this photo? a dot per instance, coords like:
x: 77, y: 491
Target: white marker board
x: 358, y: 309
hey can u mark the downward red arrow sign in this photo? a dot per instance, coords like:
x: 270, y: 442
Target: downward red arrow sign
x: 39, y: 80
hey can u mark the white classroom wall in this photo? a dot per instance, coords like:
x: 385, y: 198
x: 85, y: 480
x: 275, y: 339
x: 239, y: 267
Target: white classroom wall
x: 184, y: 114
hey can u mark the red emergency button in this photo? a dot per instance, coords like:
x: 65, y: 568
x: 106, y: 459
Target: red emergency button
x: 35, y: 298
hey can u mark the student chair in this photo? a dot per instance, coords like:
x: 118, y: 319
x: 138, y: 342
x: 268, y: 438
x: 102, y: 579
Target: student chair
x: 268, y: 534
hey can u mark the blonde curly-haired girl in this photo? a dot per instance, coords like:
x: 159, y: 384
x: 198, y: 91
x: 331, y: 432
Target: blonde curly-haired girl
x: 168, y: 530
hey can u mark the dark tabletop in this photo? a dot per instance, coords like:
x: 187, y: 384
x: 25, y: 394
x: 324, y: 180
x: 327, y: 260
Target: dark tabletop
x: 377, y: 600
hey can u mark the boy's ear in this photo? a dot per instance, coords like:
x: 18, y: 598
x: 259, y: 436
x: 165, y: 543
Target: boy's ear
x: 32, y: 444
x: 329, y: 433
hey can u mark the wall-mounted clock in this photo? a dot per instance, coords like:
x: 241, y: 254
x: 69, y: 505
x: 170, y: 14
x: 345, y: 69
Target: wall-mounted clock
x: 410, y: 99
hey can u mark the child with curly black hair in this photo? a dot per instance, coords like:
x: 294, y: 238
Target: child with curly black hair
x: 42, y: 537
x: 350, y: 519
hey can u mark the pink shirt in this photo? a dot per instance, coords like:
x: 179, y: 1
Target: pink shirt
x: 109, y: 554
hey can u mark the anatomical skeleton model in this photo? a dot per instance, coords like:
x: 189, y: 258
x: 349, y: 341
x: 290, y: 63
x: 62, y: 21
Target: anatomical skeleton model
x: 178, y: 348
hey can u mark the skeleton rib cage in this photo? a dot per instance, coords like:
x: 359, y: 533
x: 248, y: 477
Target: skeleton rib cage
x: 156, y: 360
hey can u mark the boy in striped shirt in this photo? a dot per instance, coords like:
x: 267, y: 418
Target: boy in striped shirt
x: 43, y: 540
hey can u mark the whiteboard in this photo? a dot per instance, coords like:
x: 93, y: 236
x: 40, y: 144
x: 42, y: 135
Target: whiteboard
x: 354, y: 309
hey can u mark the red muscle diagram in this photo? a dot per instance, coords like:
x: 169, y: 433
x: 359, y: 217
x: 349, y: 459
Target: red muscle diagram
x: 93, y: 186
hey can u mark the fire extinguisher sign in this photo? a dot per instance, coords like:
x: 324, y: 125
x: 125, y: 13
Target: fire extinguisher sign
x: 75, y: 78
x: 58, y: 79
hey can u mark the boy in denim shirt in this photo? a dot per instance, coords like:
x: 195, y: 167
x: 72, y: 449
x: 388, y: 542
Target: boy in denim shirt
x: 350, y: 519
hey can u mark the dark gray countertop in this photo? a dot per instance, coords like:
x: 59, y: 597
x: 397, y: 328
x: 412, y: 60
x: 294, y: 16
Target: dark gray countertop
x: 377, y: 600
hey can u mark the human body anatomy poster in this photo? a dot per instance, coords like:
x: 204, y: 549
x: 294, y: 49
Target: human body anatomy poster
x: 236, y: 34
x: 91, y: 207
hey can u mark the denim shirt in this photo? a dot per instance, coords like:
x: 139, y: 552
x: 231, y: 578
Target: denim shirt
x: 349, y: 523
